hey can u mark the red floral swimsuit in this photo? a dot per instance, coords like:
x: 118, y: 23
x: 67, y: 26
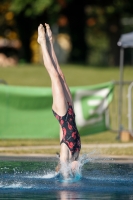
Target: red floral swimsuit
x: 71, y: 135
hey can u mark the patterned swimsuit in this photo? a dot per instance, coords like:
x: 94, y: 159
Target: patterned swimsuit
x: 71, y: 135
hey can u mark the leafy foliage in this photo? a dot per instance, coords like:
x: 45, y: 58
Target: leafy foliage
x: 94, y: 26
x: 30, y: 7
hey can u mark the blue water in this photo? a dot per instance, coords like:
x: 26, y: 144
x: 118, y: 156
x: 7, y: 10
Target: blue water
x: 37, y: 179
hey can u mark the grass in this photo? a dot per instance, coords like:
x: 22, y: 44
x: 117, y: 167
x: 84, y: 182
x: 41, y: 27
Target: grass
x: 112, y: 151
x: 28, y: 142
x: 29, y: 75
x: 33, y: 75
x: 36, y: 151
x: 125, y: 151
x: 89, y: 139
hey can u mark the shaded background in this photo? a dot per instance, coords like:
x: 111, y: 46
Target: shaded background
x: 84, y: 31
x: 85, y: 36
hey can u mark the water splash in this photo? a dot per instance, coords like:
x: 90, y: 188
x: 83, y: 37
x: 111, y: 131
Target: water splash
x: 66, y: 174
x: 49, y: 175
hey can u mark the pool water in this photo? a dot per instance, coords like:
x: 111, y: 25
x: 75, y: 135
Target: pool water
x: 36, y: 179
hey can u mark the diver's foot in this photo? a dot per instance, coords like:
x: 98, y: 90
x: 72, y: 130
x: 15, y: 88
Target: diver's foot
x: 41, y: 34
x: 48, y: 32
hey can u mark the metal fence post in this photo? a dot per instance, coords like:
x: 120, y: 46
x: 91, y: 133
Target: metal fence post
x: 130, y: 108
x: 120, y: 92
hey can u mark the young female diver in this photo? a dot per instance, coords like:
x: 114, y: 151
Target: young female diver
x: 62, y: 107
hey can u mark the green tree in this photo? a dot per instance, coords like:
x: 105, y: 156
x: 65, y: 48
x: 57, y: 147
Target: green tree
x: 108, y: 15
x: 28, y: 15
x: 74, y: 11
x: 98, y: 20
x: 105, y: 26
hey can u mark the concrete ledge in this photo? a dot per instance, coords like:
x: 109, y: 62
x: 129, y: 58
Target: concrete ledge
x: 47, y: 157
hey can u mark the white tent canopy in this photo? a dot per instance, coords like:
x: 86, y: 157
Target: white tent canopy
x: 126, y: 40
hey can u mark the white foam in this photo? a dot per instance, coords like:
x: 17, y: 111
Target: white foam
x: 44, y: 176
x: 14, y: 185
x: 50, y: 175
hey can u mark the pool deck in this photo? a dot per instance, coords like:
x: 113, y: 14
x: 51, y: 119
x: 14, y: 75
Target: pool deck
x: 41, y: 158
x: 114, y: 145
x: 91, y: 147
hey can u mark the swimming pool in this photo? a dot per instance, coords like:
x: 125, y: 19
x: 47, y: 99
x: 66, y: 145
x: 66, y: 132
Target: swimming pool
x: 35, y: 179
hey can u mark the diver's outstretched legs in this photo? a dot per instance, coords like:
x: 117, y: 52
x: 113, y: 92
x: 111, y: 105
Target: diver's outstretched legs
x: 59, y: 101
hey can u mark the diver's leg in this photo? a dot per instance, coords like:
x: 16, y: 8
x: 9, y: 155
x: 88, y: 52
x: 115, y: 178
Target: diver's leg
x: 59, y: 102
x: 56, y: 64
